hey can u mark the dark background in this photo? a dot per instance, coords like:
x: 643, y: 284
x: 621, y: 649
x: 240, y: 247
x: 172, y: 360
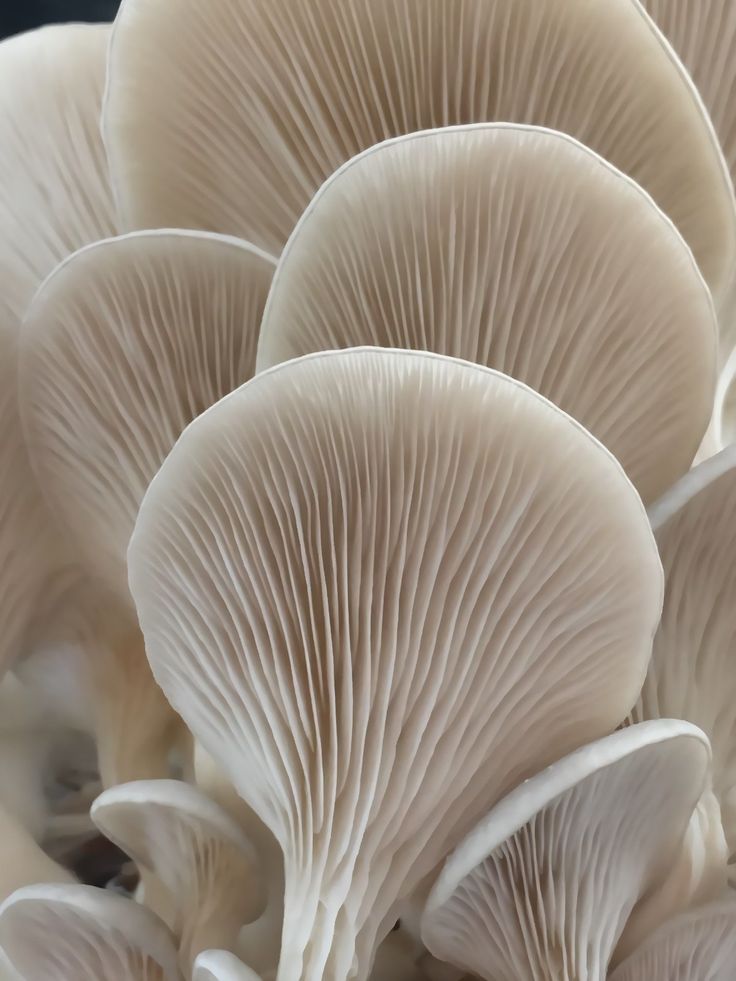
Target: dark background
x: 22, y: 15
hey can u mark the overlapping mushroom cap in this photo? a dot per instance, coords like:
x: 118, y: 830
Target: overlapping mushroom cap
x: 78, y: 933
x: 520, y: 249
x: 123, y: 346
x: 693, y: 654
x: 200, y: 855
x: 54, y: 188
x: 543, y: 886
x: 285, y: 92
x: 699, y: 945
x: 382, y: 588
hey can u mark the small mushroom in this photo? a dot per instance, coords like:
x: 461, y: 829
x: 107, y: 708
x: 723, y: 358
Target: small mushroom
x: 699, y: 945
x: 285, y: 91
x: 206, y: 864
x: 55, y: 192
x: 221, y: 965
x: 125, y: 343
x: 543, y: 886
x: 520, y: 249
x: 382, y: 588
x: 79, y: 933
x: 693, y: 653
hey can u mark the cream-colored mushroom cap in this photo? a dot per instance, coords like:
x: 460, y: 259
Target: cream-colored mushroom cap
x: 382, y: 587
x: 543, y: 886
x: 692, y: 666
x: 518, y: 248
x: 54, y: 187
x: 285, y: 92
x: 699, y: 945
x: 221, y: 965
x: 79, y: 933
x: 125, y: 343
x: 202, y: 858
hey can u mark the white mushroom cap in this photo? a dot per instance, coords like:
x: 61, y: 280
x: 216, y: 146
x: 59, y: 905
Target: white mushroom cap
x: 221, y: 965
x: 699, y: 945
x: 520, y: 249
x: 125, y: 343
x: 543, y: 886
x: 694, y: 648
x: 79, y: 933
x: 204, y: 861
x: 54, y: 188
x: 361, y: 577
x: 284, y: 92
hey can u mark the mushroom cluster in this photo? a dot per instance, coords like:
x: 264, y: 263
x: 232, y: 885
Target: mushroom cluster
x: 368, y: 492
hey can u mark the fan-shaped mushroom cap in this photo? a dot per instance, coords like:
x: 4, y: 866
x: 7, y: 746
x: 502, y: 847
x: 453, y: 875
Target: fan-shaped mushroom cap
x: 79, y: 933
x: 405, y: 566
x: 125, y: 343
x: 54, y: 188
x: 203, y: 859
x: 693, y: 656
x: 285, y: 92
x: 520, y: 249
x: 221, y: 965
x: 699, y: 945
x: 543, y: 886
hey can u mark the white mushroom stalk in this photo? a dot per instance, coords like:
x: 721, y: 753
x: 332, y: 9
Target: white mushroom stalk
x: 382, y: 588
x: 126, y: 342
x: 692, y: 660
x: 699, y: 945
x: 221, y: 965
x: 286, y: 91
x: 543, y: 886
x: 431, y: 241
x: 208, y: 867
x: 78, y: 933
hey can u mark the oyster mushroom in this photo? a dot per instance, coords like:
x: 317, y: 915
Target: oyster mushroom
x: 398, y: 582
x: 695, y: 527
x: 206, y: 864
x: 543, y: 886
x: 123, y: 345
x: 520, y: 249
x: 55, y: 192
x: 699, y: 945
x: 79, y: 933
x: 285, y: 92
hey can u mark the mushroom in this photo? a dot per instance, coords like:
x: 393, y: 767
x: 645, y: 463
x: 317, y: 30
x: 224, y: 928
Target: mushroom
x: 206, y: 864
x: 520, y: 249
x: 382, y: 588
x: 123, y: 345
x: 544, y: 884
x: 695, y: 527
x: 79, y: 933
x: 55, y: 192
x: 286, y: 91
x: 699, y: 945
x: 221, y: 965
x: 22, y: 860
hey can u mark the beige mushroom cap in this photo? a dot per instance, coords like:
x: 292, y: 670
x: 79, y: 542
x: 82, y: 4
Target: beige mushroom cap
x: 54, y: 187
x: 520, y: 249
x: 543, y: 886
x: 692, y: 663
x: 79, y: 933
x: 699, y: 945
x: 404, y: 566
x: 285, y: 91
x: 125, y: 343
x: 200, y: 855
